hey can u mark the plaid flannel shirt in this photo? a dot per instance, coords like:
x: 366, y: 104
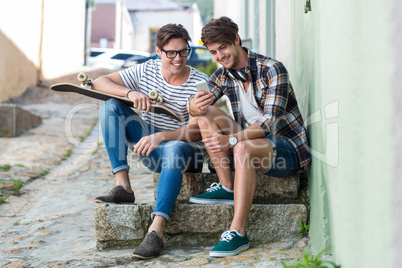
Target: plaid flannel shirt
x: 275, y: 97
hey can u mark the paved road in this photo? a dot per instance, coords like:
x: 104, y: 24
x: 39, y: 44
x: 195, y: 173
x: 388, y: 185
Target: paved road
x: 51, y: 224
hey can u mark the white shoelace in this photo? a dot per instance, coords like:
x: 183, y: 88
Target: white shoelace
x: 227, y: 236
x: 214, y: 186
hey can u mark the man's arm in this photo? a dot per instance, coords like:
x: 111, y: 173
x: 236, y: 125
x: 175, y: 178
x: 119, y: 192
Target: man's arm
x: 114, y: 85
x: 219, y: 142
x: 277, y: 97
x: 253, y: 132
x: 111, y: 84
x: 198, y: 105
x: 188, y: 133
x: 148, y: 143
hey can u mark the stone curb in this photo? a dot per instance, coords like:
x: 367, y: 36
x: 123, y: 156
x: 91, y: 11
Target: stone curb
x: 268, y: 190
x: 194, y: 225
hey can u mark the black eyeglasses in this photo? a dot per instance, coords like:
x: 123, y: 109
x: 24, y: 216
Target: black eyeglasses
x: 171, y: 54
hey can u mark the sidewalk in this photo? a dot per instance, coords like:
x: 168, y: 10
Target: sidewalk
x: 52, y: 223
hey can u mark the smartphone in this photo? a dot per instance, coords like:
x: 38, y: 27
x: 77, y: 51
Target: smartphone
x: 202, y: 85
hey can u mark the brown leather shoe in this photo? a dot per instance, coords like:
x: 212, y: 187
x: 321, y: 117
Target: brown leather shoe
x: 117, y: 195
x: 150, y: 247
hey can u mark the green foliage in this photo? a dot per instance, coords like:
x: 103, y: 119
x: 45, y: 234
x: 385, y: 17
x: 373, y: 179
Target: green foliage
x: 6, y: 134
x: 2, y: 200
x: 68, y: 154
x: 304, y: 227
x: 90, y: 130
x: 306, y: 203
x: 5, y: 167
x: 43, y: 173
x: 309, y: 262
x: 17, y: 184
x: 209, y: 69
x: 82, y: 138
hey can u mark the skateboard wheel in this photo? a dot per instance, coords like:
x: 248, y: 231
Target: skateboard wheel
x: 153, y: 94
x: 82, y: 77
x: 159, y: 100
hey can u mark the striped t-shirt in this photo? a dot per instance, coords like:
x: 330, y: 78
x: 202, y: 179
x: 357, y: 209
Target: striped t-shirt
x: 148, y: 76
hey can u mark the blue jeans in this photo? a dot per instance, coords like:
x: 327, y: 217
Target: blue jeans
x: 285, y: 161
x: 122, y: 127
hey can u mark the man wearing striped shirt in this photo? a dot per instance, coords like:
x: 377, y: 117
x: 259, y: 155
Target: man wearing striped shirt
x: 267, y: 134
x: 163, y: 144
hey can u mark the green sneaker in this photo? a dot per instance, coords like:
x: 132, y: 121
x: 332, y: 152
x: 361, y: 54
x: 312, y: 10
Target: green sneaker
x: 231, y: 244
x: 215, y: 195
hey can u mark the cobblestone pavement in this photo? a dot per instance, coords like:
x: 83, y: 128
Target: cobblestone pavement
x: 51, y: 224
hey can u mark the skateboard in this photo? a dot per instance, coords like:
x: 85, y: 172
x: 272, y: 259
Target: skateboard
x: 85, y: 89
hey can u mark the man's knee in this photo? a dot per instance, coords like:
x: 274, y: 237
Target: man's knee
x: 241, y: 149
x: 212, y: 115
x: 251, y: 148
x: 246, y: 153
x: 173, y: 155
x: 173, y: 148
x: 110, y: 104
x: 109, y: 109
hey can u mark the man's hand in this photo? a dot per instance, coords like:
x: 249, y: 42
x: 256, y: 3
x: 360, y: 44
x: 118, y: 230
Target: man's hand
x: 147, y: 144
x: 141, y: 101
x: 200, y: 103
x: 217, y: 142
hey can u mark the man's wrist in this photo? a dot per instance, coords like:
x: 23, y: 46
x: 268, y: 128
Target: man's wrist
x: 128, y: 92
x: 161, y: 136
x: 233, y: 140
x: 191, y: 106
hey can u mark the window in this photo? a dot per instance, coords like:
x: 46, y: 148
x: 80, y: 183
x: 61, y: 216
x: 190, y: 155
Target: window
x: 122, y: 56
x: 201, y: 54
x: 96, y: 53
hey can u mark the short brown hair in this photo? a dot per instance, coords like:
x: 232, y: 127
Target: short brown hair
x: 222, y: 30
x: 170, y: 31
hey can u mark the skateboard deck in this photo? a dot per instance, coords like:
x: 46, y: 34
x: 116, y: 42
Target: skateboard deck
x: 65, y: 87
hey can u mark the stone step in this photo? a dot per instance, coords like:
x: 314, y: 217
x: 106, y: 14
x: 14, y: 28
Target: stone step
x: 269, y: 189
x: 15, y: 120
x: 193, y: 224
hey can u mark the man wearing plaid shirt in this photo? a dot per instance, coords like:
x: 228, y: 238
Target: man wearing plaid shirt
x: 267, y: 134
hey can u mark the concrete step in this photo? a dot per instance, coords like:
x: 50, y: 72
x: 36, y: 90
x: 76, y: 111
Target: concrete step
x: 192, y: 224
x: 269, y: 189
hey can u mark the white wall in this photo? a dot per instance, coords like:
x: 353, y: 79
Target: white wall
x: 233, y: 9
x: 143, y: 21
x: 19, y: 46
x: 356, y: 58
x: 124, y: 28
x: 20, y: 21
x: 63, y: 39
x: 252, y: 19
x: 28, y: 53
x: 397, y: 142
x: 63, y: 32
x: 283, y: 33
x: 197, y: 26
